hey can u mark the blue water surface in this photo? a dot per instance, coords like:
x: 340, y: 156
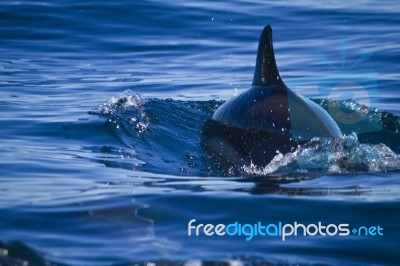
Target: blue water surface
x: 102, y: 104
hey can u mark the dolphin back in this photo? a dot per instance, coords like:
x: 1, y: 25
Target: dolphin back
x: 267, y: 118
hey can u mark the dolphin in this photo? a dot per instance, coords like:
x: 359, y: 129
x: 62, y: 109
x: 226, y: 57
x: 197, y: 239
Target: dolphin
x: 267, y: 119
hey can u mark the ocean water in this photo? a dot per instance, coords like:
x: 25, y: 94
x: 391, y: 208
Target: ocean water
x: 102, y: 105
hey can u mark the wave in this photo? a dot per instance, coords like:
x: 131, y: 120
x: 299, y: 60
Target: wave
x: 165, y: 135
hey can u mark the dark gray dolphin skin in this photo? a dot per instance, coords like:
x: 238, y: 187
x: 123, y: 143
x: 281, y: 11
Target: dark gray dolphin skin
x: 266, y: 119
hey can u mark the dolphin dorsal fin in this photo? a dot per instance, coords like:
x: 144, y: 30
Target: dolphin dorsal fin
x: 266, y: 73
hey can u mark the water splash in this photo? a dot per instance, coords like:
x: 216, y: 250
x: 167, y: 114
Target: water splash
x: 127, y: 101
x: 341, y: 156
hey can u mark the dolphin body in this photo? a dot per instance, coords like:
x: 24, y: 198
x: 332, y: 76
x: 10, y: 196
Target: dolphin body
x: 267, y: 119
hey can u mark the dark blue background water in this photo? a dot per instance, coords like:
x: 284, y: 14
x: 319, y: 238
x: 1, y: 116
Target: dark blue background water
x: 93, y: 174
